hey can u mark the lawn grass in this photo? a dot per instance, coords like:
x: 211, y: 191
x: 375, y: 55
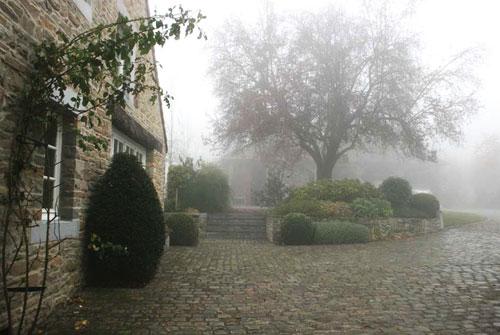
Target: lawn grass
x: 455, y: 219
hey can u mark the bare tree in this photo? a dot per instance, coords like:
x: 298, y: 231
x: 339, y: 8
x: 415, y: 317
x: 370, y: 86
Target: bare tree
x: 328, y: 83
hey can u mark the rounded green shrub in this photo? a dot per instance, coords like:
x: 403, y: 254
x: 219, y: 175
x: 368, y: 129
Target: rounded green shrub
x: 297, y: 229
x: 426, y: 203
x: 340, y: 232
x: 184, y: 231
x: 124, y: 229
x: 397, y: 191
x: 371, y: 208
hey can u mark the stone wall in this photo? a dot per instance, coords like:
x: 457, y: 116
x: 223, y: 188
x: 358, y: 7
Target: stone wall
x: 23, y: 24
x: 273, y: 229
x: 380, y: 229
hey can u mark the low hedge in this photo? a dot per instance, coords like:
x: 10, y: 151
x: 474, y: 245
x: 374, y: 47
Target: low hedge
x: 297, y: 229
x: 340, y: 232
x: 184, y: 231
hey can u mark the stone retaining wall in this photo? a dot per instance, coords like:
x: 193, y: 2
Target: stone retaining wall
x: 380, y: 229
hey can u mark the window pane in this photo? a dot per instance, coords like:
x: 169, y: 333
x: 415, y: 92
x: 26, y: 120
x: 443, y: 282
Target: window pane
x: 51, y: 135
x: 121, y: 147
x: 115, y: 146
x: 50, y: 162
x: 48, y: 193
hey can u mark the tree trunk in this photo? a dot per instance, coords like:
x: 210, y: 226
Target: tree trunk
x: 324, y: 170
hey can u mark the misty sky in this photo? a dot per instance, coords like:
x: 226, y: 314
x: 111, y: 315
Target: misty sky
x: 445, y: 27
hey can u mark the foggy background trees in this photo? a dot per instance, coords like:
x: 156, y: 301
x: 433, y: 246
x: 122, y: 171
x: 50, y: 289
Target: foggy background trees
x: 327, y: 83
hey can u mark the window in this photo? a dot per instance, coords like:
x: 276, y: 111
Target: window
x: 123, y: 143
x: 122, y: 11
x: 52, y: 170
x: 85, y: 6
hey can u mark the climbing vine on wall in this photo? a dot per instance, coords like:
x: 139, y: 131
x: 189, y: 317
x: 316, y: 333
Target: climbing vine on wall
x: 101, y: 67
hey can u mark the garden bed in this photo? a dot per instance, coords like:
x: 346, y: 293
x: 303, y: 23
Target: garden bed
x: 380, y: 229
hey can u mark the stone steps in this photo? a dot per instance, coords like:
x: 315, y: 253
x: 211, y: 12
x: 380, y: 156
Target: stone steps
x: 247, y: 226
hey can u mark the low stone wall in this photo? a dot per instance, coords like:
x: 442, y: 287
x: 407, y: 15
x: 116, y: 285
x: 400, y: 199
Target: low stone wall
x: 380, y: 229
x: 199, y: 218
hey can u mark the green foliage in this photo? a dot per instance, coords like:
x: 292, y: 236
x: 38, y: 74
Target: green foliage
x: 371, y: 208
x: 104, y: 249
x: 336, y: 210
x: 184, y: 231
x: 297, y: 229
x: 340, y: 232
x: 209, y: 190
x: 335, y: 190
x: 179, y: 178
x: 204, y: 187
x: 311, y: 208
x: 426, y: 203
x: 124, y: 210
x: 315, y: 209
x: 274, y: 191
x: 397, y: 191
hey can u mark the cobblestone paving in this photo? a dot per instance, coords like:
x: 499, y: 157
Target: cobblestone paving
x: 445, y: 283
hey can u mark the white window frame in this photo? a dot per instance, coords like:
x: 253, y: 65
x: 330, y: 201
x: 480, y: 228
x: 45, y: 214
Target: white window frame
x: 120, y: 138
x: 56, y: 179
x: 85, y: 7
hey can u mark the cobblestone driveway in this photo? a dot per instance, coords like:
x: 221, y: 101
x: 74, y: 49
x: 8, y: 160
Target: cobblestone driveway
x: 446, y: 283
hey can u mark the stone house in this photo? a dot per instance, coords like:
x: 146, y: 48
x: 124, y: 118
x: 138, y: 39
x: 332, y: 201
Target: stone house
x: 137, y: 129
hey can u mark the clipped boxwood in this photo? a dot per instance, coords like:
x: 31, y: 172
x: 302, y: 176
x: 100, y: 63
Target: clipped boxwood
x: 425, y: 203
x: 371, y: 208
x: 124, y: 230
x: 397, y: 191
x: 184, y: 231
x: 297, y: 229
x: 340, y: 232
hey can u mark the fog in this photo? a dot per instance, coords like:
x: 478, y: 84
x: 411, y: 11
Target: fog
x: 465, y: 174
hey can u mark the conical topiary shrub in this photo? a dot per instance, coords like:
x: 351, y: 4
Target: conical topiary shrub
x: 124, y: 229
